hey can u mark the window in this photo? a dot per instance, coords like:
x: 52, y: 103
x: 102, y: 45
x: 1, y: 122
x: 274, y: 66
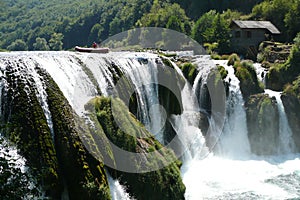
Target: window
x: 248, y: 34
x: 238, y: 34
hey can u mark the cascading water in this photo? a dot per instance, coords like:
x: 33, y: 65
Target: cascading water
x: 234, y: 173
x: 117, y: 190
x: 261, y: 72
x: 234, y: 141
x: 286, y: 144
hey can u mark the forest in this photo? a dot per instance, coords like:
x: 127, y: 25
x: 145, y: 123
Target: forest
x: 57, y: 25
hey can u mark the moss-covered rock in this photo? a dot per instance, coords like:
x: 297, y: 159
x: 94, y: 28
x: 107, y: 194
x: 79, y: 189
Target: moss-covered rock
x: 273, y: 52
x: 25, y: 125
x: 291, y: 102
x: 84, y: 175
x: 232, y: 59
x: 165, y: 183
x: 286, y: 73
x: 263, y: 124
x: 189, y: 71
x: 246, y: 74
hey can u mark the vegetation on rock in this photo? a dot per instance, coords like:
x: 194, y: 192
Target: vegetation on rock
x: 84, y: 175
x: 282, y: 74
x: 263, y: 124
x: 190, y: 71
x: 246, y: 74
x: 25, y: 125
x: 165, y: 183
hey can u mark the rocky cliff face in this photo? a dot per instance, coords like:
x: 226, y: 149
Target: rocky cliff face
x: 262, y: 123
x: 55, y: 155
x: 273, y: 52
x: 164, y: 183
x: 291, y: 101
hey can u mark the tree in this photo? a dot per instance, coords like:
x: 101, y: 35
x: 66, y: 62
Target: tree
x: 202, y: 31
x: 163, y: 13
x: 221, y: 33
x: 276, y: 12
x: 56, y: 41
x: 18, y: 45
x: 41, y: 44
x: 292, y: 20
x: 175, y: 24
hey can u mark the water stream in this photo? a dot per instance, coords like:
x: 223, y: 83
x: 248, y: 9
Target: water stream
x: 230, y: 171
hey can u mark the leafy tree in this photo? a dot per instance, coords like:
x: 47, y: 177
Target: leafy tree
x: 221, y: 33
x: 55, y: 42
x: 18, y: 45
x: 94, y: 34
x: 41, y: 44
x: 202, y: 31
x: 230, y: 15
x: 212, y: 28
x: 175, y: 24
x: 274, y: 11
x: 161, y: 13
x: 292, y: 20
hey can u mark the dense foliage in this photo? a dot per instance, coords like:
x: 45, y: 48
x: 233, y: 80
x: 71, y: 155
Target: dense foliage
x: 285, y: 14
x: 53, y: 25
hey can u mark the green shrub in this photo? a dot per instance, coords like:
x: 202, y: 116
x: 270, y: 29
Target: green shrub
x: 222, y: 71
x: 249, y: 83
x: 225, y: 57
x: 232, y: 59
x: 216, y: 56
x: 189, y: 71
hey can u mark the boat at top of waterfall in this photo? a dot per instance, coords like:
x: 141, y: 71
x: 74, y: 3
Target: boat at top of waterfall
x: 92, y: 49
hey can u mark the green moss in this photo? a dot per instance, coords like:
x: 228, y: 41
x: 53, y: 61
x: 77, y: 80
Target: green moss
x: 223, y: 71
x: 84, y: 175
x: 215, y: 56
x: 232, y: 59
x: 246, y: 74
x: 189, y: 71
x: 263, y: 124
x: 26, y: 126
x: 161, y: 184
x: 167, y: 62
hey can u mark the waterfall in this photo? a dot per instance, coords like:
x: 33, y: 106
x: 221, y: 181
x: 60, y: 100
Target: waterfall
x: 70, y: 77
x: 234, y: 141
x: 144, y: 79
x: 287, y: 144
x: 41, y: 94
x: 261, y: 72
x: 234, y: 173
x: 230, y: 172
x: 30, y: 76
x: 117, y: 190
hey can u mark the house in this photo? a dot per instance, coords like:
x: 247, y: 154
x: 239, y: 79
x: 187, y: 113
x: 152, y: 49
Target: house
x: 247, y: 35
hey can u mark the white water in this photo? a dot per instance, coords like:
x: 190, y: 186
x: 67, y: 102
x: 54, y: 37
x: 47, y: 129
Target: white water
x: 27, y: 74
x: 287, y: 144
x: 234, y: 141
x: 144, y: 78
x: 117, y: 191
x: 40, y: 94
x: 261, y: 72
x: 235, y: 173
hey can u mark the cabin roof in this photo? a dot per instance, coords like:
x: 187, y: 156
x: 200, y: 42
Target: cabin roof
x: 257, y: 25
